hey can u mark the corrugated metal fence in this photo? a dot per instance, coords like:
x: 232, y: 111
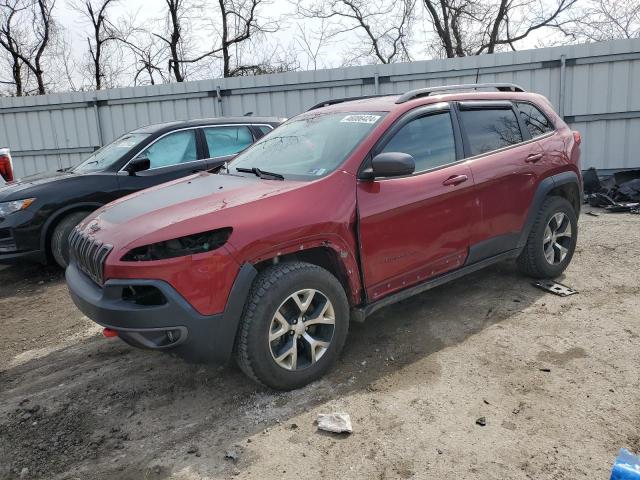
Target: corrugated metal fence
x: 596, y: 87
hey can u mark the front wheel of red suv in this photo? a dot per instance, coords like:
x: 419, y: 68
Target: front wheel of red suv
x: 294, y: 325
x: 552, y: 240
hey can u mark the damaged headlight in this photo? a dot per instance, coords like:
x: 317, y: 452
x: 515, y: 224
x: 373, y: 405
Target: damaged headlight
x: 7, y: 208
x: 180, y: 247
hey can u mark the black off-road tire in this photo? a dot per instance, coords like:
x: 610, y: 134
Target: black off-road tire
x: 60, y: 237
x: 270, y: 288
x: 532, y: 261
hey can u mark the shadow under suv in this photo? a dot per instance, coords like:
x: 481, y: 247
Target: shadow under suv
x: 342, y: 210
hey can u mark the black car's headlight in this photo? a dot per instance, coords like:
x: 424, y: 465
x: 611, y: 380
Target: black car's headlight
x: 7, y: 208
x: 180, y: 247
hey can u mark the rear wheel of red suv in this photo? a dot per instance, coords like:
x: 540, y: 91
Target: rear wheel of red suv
x: 552, y: 240
x: 294, y: 325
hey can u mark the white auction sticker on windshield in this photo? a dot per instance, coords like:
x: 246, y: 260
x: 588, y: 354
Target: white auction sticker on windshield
x: 360, y: 118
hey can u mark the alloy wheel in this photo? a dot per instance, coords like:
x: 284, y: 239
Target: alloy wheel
x: 301, y: 330
x: 557, y: 238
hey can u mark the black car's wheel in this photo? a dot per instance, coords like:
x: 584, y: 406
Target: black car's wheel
x: 294, y: 325
x: 60, y: 237
x: 552, y: 240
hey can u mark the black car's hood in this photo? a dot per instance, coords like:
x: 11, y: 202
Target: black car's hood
x: 11, y: 191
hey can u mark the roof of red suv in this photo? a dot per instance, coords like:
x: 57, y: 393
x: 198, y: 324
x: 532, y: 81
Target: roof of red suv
x: 413, y: 98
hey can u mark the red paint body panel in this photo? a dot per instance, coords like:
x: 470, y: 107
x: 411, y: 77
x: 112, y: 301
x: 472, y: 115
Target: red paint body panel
x: 410, y: 229
x: 504, y: 186
x: 413, y: 228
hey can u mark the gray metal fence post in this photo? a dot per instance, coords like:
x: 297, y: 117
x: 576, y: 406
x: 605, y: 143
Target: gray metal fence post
x: 563, y: 72
x: 219, y: 97
x: 96, y: 112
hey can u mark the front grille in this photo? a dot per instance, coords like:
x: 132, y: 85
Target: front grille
x: 89, y: 254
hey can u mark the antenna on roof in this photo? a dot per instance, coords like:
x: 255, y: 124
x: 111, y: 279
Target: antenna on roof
x: 248, y: 114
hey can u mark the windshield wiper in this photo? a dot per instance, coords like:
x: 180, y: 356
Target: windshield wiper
x: 261, y: 173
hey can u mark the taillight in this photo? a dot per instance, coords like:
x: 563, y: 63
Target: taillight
x: 577, y: 137
x: 6, y: 169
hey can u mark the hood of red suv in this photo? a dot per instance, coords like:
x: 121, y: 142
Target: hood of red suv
x: 183, y: 207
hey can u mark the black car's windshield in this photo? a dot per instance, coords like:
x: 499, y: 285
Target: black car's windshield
x: 309, y: 146
x: 111, y: 153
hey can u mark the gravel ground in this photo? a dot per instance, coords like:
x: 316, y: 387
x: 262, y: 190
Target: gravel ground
x: 556, y: 379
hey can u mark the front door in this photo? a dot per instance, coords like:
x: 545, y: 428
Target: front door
x: 416, y: 227
x: 174, y: 155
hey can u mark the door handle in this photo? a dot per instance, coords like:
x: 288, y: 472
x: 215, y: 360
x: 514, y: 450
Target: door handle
x: 455, y: 180
x: 534, y: 157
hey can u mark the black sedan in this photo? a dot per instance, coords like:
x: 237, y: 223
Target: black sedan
x: 37, y: 213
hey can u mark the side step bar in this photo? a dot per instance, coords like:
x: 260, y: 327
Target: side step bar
x: 359, y: 314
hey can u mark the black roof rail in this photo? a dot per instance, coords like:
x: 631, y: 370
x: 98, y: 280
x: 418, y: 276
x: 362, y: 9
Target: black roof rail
x: 425, y: 92
x: 334, y: 101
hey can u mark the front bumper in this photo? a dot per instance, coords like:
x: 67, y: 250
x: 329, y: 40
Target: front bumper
x: 168, y: 321
x: 9, y: 258
x: 20, y: 239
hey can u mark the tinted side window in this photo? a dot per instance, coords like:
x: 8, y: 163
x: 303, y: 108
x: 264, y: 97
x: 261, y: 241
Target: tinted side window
x: 224, y: 141
x: 178, y: 147
x: 488, y: 129
x: 428, y: 139
x: 536, y: 121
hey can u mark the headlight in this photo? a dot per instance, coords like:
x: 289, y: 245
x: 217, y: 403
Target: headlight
x: 179, y: 247
x: 11, y: 207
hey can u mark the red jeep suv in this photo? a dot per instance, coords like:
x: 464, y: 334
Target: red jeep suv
x: 351, y: 206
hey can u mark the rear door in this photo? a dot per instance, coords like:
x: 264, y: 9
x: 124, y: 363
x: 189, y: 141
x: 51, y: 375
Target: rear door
x: 174, y: 155
x: 416, y: 227
x: 223, y: 142
x: 502, y: 157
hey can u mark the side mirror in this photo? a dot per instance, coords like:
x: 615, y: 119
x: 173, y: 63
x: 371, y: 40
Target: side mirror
x: 391, y: 164
x: 138, y: 165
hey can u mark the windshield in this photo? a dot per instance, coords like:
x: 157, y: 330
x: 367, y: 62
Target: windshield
x: 111, y: 153
x: 310, y: 146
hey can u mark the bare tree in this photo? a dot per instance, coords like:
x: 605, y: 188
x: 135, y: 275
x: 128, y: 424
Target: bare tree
x: 450, y: 20
x: 176, y: 9
x: 10, y: 39
x: 178, y: 34
x: 264, y: 58
x: 149, y: 59
x: 238, y: 22
x: 26, y: 45
x: 599, y: 20
x: 102, y: 33
x: 311, y: 42
x: 471, y: 27
x: 384, y: 26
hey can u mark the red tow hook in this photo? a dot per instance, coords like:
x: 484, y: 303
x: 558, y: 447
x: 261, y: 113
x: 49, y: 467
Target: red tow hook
x: 108, y: 333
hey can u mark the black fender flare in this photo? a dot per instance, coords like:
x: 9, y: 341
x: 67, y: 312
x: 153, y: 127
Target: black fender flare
x: 53, y: 218
x: 546, y: 186
x: 224, y: 342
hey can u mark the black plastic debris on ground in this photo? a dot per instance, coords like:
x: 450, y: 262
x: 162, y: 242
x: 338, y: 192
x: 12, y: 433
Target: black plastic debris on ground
x: 554, y: 287
x: 618, y: 193
x: 591, y: 181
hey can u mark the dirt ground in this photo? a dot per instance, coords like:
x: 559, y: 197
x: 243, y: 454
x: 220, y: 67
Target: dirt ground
x: 557, y: 380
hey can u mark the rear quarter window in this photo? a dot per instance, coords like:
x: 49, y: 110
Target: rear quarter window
x: 537, y: 122
x: 490, y: 129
